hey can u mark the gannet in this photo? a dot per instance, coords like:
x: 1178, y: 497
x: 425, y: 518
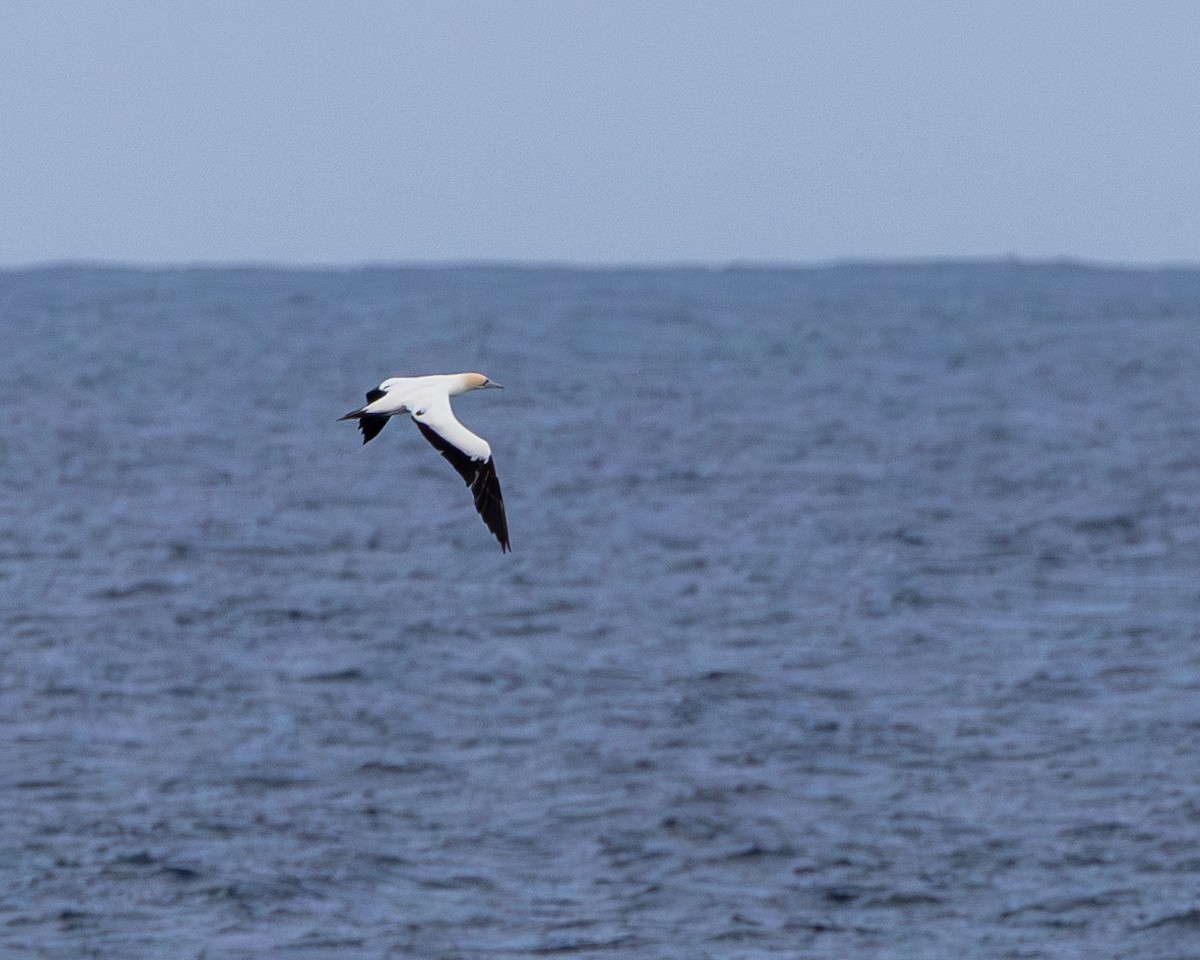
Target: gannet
x: 427, y: 401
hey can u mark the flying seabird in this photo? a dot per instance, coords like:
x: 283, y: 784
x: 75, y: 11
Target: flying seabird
x: 427, y: 401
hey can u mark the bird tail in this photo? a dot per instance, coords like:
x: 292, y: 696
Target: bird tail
x: 354, y: 414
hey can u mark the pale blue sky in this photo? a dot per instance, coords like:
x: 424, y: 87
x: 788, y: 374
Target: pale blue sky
x: 648, y: 131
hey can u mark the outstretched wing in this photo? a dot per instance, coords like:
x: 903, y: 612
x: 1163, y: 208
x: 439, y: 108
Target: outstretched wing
x: 479, y: 472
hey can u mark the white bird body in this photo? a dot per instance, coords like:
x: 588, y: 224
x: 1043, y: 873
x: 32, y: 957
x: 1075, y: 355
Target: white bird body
x: 427, y: 401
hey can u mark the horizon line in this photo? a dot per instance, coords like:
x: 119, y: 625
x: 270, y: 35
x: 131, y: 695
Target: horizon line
x: 585, y: 266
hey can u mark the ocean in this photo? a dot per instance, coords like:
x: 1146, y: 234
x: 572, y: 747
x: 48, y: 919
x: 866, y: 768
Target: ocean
x: 853, y: 611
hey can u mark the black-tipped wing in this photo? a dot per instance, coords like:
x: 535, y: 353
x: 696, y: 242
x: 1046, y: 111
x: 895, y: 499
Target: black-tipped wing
x: 371, y: 423
x: 480, y: 476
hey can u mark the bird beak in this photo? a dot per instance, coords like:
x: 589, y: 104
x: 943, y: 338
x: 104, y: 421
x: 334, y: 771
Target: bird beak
x: 493, y: 383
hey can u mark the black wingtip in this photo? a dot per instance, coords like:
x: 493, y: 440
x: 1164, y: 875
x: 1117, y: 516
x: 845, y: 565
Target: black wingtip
x: 370, y: 424
x: 489, y: 501
x: 480, y: 476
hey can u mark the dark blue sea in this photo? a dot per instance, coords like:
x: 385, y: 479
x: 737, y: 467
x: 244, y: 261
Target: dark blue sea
x: 853, y: 612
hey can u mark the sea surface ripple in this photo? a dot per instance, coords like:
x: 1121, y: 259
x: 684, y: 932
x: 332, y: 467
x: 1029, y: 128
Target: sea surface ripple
x: 853, y: 612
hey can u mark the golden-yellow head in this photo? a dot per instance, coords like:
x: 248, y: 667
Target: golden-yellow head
x: 477, y: 381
